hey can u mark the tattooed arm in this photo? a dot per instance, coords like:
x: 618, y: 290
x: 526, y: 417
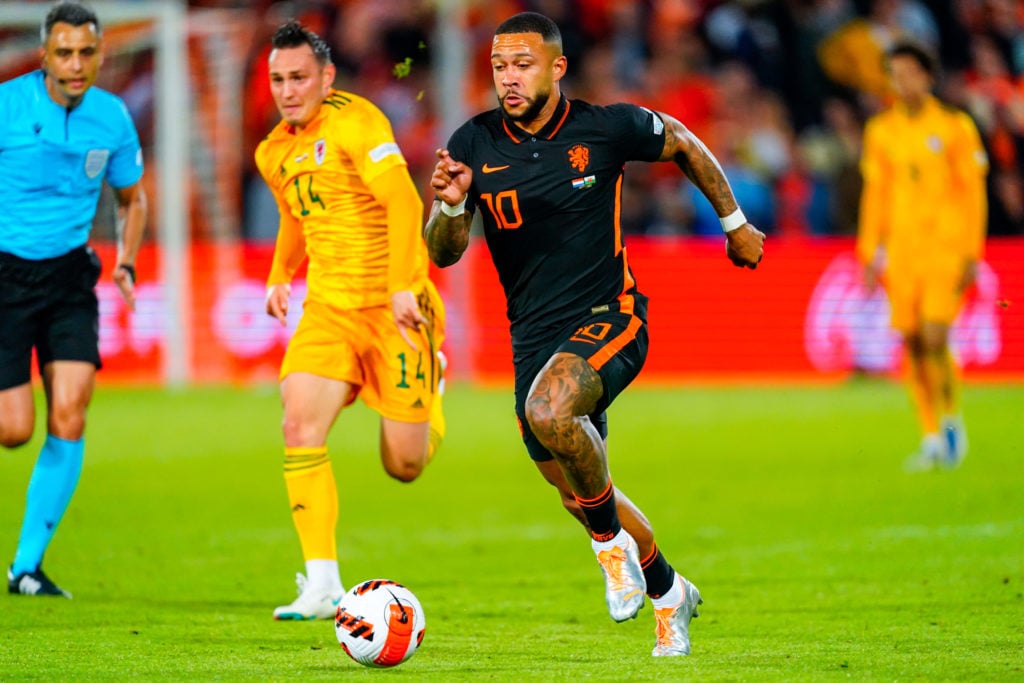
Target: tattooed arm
x: 745, y: 244
x: 447, y: 236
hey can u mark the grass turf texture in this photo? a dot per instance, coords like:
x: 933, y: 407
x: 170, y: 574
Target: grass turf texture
x: 818, y: 558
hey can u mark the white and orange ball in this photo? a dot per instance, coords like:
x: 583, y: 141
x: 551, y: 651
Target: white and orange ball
x: 380, y: 623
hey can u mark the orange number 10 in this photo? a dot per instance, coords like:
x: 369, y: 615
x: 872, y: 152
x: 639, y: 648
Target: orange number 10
x: 500, y: 208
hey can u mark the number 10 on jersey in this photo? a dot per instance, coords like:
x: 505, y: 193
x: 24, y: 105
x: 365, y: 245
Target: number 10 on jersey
x: 504, y: 207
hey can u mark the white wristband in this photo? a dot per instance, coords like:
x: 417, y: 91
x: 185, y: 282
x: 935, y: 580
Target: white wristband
x: 456, y: 210
x: 733, y: 220
x: 270, y: 290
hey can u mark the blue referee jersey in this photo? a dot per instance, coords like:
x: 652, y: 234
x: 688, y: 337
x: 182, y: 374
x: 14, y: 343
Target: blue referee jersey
x: 53, y: 161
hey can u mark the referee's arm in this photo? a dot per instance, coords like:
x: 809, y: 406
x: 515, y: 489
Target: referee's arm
x: 132, y: 205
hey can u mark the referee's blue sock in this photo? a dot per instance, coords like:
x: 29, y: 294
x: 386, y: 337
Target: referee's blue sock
x: 50, y: 489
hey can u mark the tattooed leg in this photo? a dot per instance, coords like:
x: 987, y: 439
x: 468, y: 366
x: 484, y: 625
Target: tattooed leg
x: 564, y: 393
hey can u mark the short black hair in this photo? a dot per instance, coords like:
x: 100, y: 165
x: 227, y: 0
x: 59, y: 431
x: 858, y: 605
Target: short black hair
x: 67, y: 12
x: 918, y: 52
x: 294, y: 34
x: 531, y: 22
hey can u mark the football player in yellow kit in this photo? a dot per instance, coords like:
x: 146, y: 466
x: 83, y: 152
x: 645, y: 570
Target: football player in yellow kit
x: 372, y: 321
x: 922, y: 231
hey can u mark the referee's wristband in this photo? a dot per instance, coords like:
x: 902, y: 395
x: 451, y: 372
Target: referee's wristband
x: 732, y: 221
x: 130, y: 269
x: 456, y: 210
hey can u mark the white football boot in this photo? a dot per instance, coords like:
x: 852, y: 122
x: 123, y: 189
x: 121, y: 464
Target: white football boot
x: 930, y: 456
x: 314, y: 602
x: 624, y: 579
x: 672, y: 624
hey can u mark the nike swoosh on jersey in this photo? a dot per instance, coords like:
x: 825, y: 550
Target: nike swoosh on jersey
x: 493, y: 169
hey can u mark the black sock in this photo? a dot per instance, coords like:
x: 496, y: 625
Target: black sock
x: 658, y: 573
x: 602, y: 516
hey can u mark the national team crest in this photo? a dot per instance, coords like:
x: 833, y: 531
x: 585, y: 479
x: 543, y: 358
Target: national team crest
x: 95, y: 162
x: 320, y: 151
x: 579, y: 157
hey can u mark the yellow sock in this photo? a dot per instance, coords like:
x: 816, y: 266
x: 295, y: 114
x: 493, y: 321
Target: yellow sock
x: 313, y: 496
x: 437, y: 427
x: 917, y: 380
x: 951, y: 405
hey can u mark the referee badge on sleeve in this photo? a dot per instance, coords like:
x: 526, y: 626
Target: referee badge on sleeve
x: 95, y: 162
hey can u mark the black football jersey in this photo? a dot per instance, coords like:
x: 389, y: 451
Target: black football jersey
x: 550, y: 204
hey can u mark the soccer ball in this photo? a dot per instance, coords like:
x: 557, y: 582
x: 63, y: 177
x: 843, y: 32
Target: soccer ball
x: 380, y: 623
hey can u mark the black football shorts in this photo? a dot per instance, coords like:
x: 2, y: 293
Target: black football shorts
x: 612, y: 340
x: 51, y: 305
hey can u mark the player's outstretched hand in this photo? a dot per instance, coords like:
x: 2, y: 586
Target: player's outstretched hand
x: 277, y: 302
x: 451, y: 178
x: 745, y: 246
x: 125, y: 282
x: 407, y: 314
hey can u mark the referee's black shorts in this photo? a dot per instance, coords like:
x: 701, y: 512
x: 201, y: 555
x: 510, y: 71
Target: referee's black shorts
x: 613, y: 340
x: 49, y: 304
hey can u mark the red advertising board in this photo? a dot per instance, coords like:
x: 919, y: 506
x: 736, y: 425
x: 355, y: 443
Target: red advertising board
x: 801, y: 315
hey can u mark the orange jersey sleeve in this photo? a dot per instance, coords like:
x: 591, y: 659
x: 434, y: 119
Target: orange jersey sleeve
x: 971, y: 167
x: 290, y: 248
x: 874, y: 198
x: 395, y: 191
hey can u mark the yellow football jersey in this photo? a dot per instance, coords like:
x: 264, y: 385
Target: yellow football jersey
x: 924, y: 189
x: 320, y: 177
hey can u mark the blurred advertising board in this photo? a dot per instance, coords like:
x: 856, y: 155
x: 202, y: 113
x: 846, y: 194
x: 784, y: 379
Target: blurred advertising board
x: 802, y: 315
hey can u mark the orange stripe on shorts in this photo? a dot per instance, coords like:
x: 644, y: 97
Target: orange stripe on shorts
x: 606, y: 353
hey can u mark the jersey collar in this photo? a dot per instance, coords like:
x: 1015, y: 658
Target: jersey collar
x: 549, y: 130
x: 930, y: 103
x: 44, y: 94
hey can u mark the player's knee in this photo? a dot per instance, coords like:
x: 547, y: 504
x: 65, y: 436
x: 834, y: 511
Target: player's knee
x: 297, y: 431
x: 913, y: 344
x: 14, y: 433
x: 934, y: 342
x: 66, y: 421
x: 542, y: 419
x: 403, y: 470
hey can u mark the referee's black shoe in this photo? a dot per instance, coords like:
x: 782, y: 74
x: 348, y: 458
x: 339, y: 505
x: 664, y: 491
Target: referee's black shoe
x: 33, y: 583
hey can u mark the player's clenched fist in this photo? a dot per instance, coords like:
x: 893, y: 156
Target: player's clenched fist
x: 451, y: 178
x: 745, y: 246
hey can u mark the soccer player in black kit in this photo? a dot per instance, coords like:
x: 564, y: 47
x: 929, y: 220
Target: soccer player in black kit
x: 546, y: 174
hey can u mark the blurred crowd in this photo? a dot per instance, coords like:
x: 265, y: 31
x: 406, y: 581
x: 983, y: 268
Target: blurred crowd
x: 778, y: 89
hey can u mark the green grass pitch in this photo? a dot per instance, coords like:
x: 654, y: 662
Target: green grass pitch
x: 818, y: 557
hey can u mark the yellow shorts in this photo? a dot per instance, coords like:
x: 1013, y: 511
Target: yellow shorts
x: 364, y: 348
x: 931, y: 297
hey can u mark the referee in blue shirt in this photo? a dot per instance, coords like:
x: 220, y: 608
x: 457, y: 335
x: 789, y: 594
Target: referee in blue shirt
x: 60, y: 138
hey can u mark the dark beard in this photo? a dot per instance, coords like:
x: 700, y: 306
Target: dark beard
x: 532, y: 111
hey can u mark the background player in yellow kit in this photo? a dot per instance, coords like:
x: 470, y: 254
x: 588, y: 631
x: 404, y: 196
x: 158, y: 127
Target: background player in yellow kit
x: 372, y: 321
x: 922, y: 230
